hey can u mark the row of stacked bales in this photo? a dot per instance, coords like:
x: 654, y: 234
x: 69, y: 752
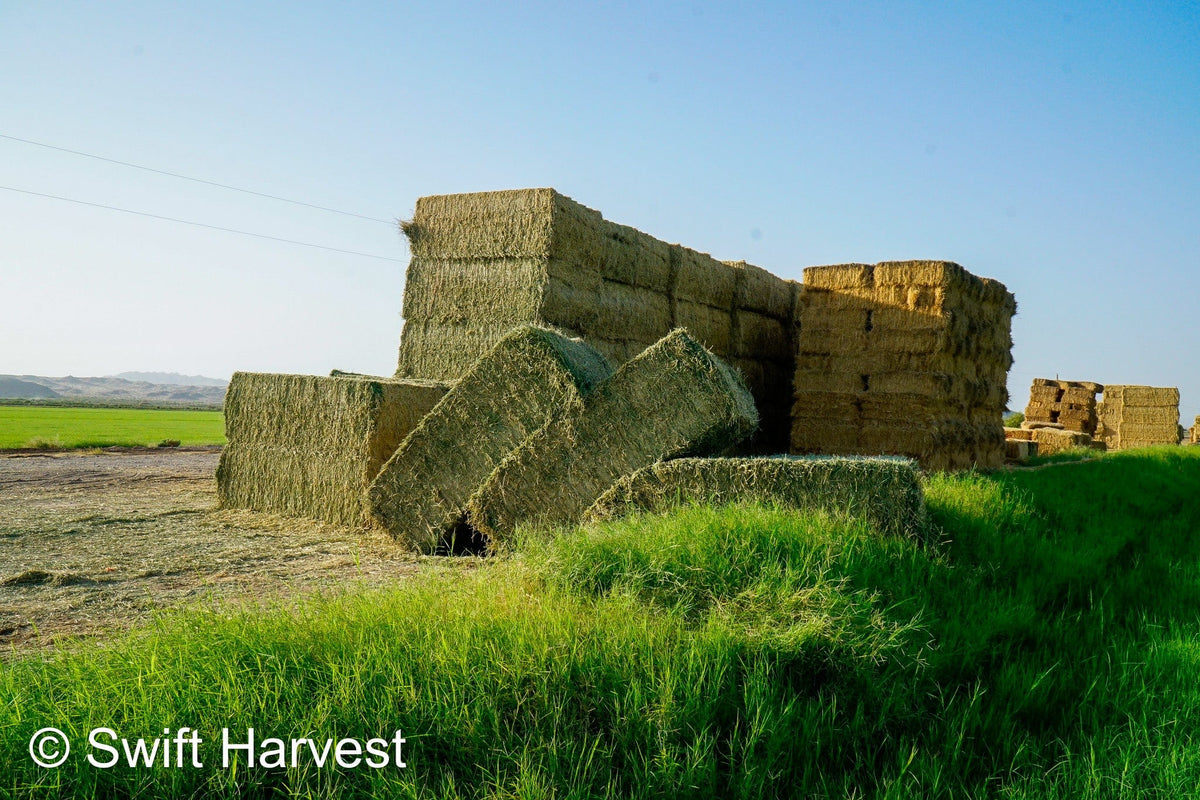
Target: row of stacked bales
x: 1071, y: 404
x: 309, y: 446
x: 484, y: 263
x: 903, y: 358
x: 1138, y: 416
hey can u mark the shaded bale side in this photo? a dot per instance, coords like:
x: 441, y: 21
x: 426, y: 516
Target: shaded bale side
x: 530, y: 377
x: 761, y: 291
x: 885, y: 492
x: 761, y: 337
x: 674, y: 399
x: 440, y: 351
x: 309, y: 446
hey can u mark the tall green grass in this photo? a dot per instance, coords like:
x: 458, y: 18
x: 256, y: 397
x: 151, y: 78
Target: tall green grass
x: 57, y: 427
x: 1042, y: 640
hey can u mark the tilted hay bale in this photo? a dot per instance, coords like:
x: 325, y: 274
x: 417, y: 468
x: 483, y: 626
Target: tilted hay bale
x: 674, y: 399
x: 528, y: 378
x: 308, y: 446
x: 885, y: 491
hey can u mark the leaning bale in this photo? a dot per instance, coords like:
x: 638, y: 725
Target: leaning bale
x: 308, y: 446
x: 527, y: 379
x: 884, y: 491
x: 674, y: 399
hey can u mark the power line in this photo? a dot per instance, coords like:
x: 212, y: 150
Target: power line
x: 195, y: 180
x: 199, y: 224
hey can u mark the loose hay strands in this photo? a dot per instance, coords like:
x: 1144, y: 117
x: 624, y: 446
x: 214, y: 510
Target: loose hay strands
x: 674, y: 399
x: 528, y: 378
x: 885, y: 491
x: 308, y: 446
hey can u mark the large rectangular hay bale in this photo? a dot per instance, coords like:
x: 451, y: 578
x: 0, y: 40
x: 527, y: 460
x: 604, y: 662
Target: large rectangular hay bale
x: 712, y: 327
x: 674, y: 399
x: 840, y: 276
x: 885, y: 491
x: 1142, y: 395
x: 530, y: 377
x: 703, y: 279
x: 308, y: 446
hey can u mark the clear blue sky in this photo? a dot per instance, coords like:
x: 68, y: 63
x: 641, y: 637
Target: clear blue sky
x: 1051, y: 146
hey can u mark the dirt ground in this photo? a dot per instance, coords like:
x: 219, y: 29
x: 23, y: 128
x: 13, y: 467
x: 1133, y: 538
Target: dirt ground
x: 94, y: 543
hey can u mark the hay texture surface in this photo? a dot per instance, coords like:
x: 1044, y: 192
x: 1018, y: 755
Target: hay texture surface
x: 1069, y: 403
x: 902, y: 358
x: 1138, y: 416
x: 308, y: 446
x: 528, y: 378
x: 674, y: 399
x: 483, y: 263
x: 884, y: 491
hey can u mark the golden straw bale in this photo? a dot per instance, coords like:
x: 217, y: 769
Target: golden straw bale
x: 703, y: 279
x: 840, y: 276
x: 710, y: 326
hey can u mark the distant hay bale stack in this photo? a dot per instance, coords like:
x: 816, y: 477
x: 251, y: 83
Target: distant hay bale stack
x: 1193, y: 435
x: 1070, y: 403
x: 674, y: 399
x: 484, y: 263
x: 308, y: 446
x: 903, y: 358
x: 528, y: 378
x: 884, y: 491
x: 1138, y: 416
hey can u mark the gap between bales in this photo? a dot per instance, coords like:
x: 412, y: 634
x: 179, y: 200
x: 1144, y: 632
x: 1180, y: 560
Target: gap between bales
x: 1044, y: 647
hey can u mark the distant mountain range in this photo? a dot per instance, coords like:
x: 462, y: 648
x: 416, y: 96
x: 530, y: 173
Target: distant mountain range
x: 141, y: 388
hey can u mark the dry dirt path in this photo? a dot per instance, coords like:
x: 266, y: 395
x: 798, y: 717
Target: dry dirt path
x: 93, y: 543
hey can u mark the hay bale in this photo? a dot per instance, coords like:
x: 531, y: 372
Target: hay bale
x: 1018, y: 434
x: 761, y: 337
x: 762, y: 292
x: 528, y: 378
x: 1019, y: 449
x: 703, y: 279
x: 884, y: 491
x: 840, y: 276
x: 1142, y: 396
x: 674, y: 399
x: 710, y: 326
x: 1056, y: 440
x: 308, y: 446
x: 627, y: 312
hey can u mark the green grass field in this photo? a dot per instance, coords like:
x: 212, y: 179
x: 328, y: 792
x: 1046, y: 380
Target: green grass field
x: 57, y: 427
x: 1042, y: 640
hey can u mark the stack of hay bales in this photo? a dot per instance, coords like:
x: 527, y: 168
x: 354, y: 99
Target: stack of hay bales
x: 885, y: 491
x: 1138, y: 416
x: 1069, y: 403
x: 484, y: 263
x: 308, y: 446
x: 675, y: 399
x: 1193, y: 434
x: 903, y: 358
x: 530, y: 377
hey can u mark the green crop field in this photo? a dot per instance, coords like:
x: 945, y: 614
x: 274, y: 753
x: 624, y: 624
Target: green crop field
x: 55, y: 427
x: 1040, y: 639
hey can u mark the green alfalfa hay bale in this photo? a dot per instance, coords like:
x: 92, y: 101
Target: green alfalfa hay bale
x: 885, y: 491
x: 675, y: 399
x: 506, y: 224
x: 445, y: 351
x: 530, y: 377
x: 308, y: 446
